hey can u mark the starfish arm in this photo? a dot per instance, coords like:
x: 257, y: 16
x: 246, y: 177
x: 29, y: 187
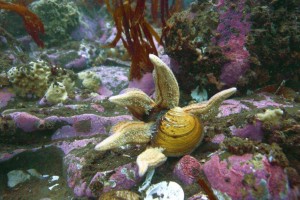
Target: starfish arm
x: 214, y: 101
x: 138, y: 102
x: 166, y: 86
x: 149, y: 159
x: 128, y: 132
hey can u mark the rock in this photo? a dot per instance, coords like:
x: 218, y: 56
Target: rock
x: 146, y: 84
x: 252, y: 131
x: 83, y: 125
x: 27, y: 122
x: 187, y: 169
x: 217, y: 139
x: 247, y: 176
x: 16, y: 177
x: 28, y: 125
x: 231, y: 106
x: 113, y: 77
x: 35, y: 173
x: 5, y: 97
x: 125, y: 177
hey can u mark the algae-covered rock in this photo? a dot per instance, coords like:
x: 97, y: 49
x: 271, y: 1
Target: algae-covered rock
x: 60, y: 17
x: 90, y: 80
x: 30, y: 79
x: 34, y: 79
x: 56, y: 93
x: 235, y: 43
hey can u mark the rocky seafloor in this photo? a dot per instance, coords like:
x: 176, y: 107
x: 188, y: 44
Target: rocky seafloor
x: 251, y: 145
x: 52, y: 149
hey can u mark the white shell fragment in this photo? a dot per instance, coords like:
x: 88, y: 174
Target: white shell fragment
x: 53, y: 178
x: 165, y: 190
x: 51, y: 187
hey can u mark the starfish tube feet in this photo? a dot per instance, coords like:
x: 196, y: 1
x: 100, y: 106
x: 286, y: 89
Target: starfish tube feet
x: 149, y: 159
x: 127, y: 132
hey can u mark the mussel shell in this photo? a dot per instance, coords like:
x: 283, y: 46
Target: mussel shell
x: 178, y: 132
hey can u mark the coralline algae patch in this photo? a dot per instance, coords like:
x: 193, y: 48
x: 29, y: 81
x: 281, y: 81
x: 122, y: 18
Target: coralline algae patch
x: 113, y: 77
x: 24, y: 125
x: 5, y: 97
x: 247, y: 177
x: 232, y: 106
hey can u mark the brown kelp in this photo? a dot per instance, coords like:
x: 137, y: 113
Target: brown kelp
x: 33, y: 25
x: 135, y: 31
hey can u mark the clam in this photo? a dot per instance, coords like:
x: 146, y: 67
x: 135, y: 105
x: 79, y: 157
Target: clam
x: 119, y: 195
x: 178, y: 132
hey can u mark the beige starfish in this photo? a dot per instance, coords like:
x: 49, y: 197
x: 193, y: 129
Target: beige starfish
x: 144, y: 108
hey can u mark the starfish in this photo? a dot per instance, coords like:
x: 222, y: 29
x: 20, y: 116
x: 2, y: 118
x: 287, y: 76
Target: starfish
x: 148, y: 110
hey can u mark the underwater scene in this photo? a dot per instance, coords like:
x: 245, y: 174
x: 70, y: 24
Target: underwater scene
x: 149, y: 99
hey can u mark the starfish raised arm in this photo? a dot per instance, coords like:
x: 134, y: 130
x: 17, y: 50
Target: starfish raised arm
x: 214, y: 101
x: 166, y: 86
x: 127, y: 132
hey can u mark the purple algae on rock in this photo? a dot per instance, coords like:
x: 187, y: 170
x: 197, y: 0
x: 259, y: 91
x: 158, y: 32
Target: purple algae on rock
x: 5, y: 97
x: 252, y: 131
x: 27, y: 122
x: 249, y: 176
x: 84, y: 125
x: 187, y: 169
x: 125, y: 177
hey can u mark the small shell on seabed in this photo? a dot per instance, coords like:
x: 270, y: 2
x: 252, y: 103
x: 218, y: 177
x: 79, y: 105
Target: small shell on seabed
x: 165, y: 191
x: 120, y: 195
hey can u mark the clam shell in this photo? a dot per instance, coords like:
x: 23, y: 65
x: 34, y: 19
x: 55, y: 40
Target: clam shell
x: 120, y: 195
x: 165, y: 191
x: 178, y: 132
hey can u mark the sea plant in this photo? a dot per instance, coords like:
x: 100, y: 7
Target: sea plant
x: 33, y: 25
x: 136, y: 32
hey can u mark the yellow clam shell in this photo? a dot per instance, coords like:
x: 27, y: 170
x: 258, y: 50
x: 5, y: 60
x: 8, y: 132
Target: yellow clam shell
x: 178, y: 132
x: 119, y: 195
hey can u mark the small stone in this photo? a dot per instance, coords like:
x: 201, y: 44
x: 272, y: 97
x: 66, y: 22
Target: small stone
x: 187, y: 169
x: 125, y: 177
x: 16, y: 177
x: 35, y: 173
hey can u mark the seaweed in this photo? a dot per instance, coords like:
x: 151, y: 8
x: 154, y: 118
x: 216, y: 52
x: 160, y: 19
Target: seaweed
x: 33, y: 25
x: 131, y: 22
x: 135, y: 31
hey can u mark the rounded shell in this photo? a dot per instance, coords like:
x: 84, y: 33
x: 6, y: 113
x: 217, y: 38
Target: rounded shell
x: 120, y: 195
x: 178, y: 132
